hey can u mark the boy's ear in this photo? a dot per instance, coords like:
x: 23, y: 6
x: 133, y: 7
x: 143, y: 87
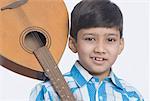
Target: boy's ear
x: 121, y: 45
x: 72, y: 44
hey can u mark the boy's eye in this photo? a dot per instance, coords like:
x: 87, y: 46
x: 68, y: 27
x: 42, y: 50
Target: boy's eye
x: 89, y: 39
x: 111, y: 39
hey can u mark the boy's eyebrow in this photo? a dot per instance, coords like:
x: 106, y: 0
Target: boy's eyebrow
x: 106, y: 34
x: 88, y: 34
x: 111, y: 34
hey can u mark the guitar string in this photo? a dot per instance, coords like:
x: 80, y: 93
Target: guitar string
x: 57, y: 73
x: 50, y: 62
x: 37, y: 38
x: 52, y: 70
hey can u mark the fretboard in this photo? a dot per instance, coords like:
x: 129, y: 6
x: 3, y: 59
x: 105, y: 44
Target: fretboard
x: 50, y: 67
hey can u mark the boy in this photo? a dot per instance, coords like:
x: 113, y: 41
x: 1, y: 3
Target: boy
x: 96, y: 35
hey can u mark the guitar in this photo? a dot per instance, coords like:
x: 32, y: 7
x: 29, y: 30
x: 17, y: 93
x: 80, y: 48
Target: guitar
x: 32, y: 30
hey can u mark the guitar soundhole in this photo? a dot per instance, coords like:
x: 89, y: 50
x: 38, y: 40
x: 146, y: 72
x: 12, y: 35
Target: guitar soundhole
x: 34, y: 38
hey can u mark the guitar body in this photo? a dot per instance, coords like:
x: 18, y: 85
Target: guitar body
x: 46, y: 18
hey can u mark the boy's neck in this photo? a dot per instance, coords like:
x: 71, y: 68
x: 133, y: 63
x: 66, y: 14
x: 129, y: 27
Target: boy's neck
x: 102, y: 75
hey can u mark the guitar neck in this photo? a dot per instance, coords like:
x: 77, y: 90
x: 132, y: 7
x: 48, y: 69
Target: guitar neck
x: 50, y: 67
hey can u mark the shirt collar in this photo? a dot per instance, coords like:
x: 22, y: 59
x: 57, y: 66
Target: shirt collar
x: 82, y: 76
x: 114, y: 79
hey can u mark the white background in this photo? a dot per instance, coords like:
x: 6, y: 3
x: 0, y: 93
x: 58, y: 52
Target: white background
x: 132, y: 65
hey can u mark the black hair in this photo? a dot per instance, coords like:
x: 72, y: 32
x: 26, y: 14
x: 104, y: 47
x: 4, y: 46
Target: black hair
x: 95, y: 13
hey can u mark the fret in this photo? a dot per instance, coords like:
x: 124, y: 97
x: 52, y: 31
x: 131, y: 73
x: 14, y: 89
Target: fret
x: 49, y: 65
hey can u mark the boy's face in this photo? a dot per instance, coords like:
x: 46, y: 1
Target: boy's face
x: 97, y: 48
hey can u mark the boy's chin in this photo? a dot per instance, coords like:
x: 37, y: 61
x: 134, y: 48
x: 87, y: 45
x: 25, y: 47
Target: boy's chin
x: 99, y: 72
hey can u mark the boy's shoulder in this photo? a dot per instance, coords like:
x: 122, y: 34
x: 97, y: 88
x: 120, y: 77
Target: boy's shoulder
x: 130, y: 90
x: 43, y: 91
x: 68, y: 76
x: 70, y: 80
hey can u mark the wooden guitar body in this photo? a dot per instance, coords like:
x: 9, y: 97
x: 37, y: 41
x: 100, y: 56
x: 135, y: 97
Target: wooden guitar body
x: 46, y: 18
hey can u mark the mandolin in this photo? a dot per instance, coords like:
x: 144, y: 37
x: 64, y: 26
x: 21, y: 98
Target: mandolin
x: 33, y: 36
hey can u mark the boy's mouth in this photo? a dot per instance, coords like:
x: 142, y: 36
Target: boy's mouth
x: 99, y: 60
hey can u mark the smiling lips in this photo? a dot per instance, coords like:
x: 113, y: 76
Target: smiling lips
x: 99, y: 60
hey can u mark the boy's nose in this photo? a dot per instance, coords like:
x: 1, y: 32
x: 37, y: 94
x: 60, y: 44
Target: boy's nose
x: 100, y: 48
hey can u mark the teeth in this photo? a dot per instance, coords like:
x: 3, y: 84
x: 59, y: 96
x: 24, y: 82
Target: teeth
x: 99, y: 59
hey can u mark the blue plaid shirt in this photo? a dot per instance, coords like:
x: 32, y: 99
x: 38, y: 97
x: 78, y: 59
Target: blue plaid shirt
x: 86, y: 87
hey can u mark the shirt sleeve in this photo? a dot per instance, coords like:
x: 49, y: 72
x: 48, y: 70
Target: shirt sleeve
x: 43, y: 92
x: 37, y: 93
